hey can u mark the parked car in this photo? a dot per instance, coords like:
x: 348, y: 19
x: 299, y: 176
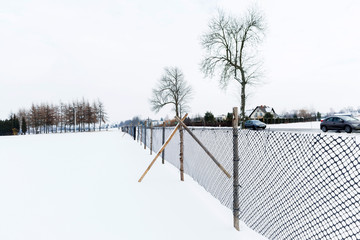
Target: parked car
x: 255, y: 124
x: 346, y: 123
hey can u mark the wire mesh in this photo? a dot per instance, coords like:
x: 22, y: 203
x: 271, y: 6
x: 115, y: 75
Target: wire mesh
x: 200, y: 166
x: 303, y: 187
x: 292, y: 185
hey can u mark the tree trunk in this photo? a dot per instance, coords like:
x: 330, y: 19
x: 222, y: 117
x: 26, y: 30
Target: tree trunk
x: 243, y: 99
x: 181, y: 145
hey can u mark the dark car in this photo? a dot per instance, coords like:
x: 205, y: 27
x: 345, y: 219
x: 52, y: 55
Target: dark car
x: 255, y: 124
x: 346, y: 123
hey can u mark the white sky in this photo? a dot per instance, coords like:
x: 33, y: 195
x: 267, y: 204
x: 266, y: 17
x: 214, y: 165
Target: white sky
x: 116, y: 51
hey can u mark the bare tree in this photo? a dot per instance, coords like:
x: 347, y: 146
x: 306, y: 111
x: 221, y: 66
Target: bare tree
x: 56, y: 117
x: 304, y: 113
x: 231, y: 45
x: 21, y: 115
x: 44, y: 117
x: 102, y: 115
x: 35, y: 118
x: 172, y: 89
x: 61, y: 110
x: 90, y: 115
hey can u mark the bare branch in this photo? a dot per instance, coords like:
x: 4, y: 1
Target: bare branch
x: 230, y: 48
x: 172, y: 89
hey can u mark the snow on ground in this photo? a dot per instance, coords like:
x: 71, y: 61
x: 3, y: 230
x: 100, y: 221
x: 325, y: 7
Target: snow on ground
x: 299, y: 125
x: 84, y: 186
x: 310, y: 127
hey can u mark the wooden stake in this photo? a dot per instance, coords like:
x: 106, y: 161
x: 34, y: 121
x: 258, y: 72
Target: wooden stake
x: 236, y: 210
x: 162, y: 148
x: 181, y: 131
x: 203, y: 147
x: 163, y: 141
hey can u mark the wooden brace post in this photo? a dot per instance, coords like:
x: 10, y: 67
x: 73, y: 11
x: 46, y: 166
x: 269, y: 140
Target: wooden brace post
x: 236, y: 208
x: 161, y: 149
x: 163, y: 141
x: 203, y: 147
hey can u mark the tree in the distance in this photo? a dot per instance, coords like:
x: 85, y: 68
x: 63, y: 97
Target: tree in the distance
x: 44, y: 117
x: 268, y: 116
x: 318, y: 116
x: 229, y: 117
x: 172, y: 89
x: 23, y: 126
x: 102, y: 115
x: 231, y: 47
x: 15, y: 124
x: 209, y: 117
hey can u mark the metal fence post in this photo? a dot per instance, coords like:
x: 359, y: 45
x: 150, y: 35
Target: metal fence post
x: 141, y: 134
x: 134, y: 133
x: 151, y: 137
x: 145, y: 135
x: 138, y: 132
x: 163, y: 141
x: 236, y: 207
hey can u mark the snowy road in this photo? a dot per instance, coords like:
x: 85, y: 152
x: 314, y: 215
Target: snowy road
x: 307, y: 127
x: 84, y: 186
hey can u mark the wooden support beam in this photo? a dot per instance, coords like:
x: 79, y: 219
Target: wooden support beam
x: 181, y: 133
x: 163, y: 141
x: 203, y: 147
x: 162, y: 148
x: 236, y: 210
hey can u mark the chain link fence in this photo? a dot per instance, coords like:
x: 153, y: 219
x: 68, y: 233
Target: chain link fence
x: 291, y: 185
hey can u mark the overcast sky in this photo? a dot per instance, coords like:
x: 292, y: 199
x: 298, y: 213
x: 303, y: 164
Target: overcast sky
x: 116, y: 50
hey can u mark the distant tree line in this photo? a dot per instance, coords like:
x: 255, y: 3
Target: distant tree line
x: 63, y: 117
x: 132, y: 122
x: 302, y: 115
x: 288, y: 120
x: 9, y: 126
x: 207, y: 120
x: 210, y: 120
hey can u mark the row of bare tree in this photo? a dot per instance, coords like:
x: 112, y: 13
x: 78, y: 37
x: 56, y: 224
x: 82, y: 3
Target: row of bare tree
x: 64, y: 117
x: 231, y: 45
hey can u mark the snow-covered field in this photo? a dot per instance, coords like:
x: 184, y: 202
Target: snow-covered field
x: 300, y: 125
x: 84, y: 186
